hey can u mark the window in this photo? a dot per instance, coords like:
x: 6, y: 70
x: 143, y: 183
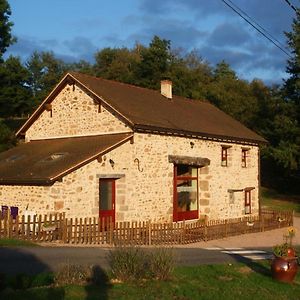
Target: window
x: 248, y: 198
x: 224, y: 156
x: 185, y: 193
x: 244, y: 157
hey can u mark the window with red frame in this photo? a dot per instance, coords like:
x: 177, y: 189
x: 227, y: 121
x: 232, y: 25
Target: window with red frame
x: 185, y: 193
x: 247, y: 201
x: 244, y: 158
x: 224, y: 156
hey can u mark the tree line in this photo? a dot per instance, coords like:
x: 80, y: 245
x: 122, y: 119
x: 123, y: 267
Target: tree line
x: 273, y: 112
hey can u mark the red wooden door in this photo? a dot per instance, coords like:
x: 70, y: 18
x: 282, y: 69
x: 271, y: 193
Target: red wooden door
x: 107, y: 195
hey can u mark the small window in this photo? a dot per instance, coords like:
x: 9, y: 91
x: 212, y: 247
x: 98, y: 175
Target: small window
x: 224, y: 156
x: 245, y: 153
x: 248, y: 199
x: 15, y: 157
x: 54, y: 157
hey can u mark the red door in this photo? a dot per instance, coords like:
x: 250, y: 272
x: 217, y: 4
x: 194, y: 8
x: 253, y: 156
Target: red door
x: 107, y: 195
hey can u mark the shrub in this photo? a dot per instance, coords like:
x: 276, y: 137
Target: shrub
x: 20, y: 281
x: 161, y: 263
x: 134, y: 263
x: 127, y: 263
x: 42, y: 279
x: 72, y: 274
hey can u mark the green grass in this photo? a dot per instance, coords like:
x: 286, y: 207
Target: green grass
x: 236, y: 281
x: 4, y: 242
x: 273, y: 200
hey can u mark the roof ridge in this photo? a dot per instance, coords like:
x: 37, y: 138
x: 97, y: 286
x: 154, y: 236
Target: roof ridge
x: 135, y: 86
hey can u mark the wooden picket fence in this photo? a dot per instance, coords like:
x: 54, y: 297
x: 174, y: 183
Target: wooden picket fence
x: 48, y: 228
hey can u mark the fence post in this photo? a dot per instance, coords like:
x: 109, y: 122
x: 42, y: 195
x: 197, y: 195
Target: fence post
x: 262, y: 222
x: 205, y: 227
x: 226, y: 229
x: 149, y: 232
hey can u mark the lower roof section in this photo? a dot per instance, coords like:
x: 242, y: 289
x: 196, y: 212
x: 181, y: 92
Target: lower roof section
x: 42, y: 162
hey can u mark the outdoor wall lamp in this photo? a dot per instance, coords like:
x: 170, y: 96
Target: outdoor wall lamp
x: 112, y: 163
x: 192, y: 144
x: 136, y: 160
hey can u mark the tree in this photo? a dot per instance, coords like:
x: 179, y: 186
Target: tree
x: 6, y: 38
x: 44, y: 73
x: 15, y: 95
x: 155, y: 63
x: 117, y: 64
x: 292, y: 84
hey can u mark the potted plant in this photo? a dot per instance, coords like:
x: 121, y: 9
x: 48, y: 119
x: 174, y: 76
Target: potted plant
x: 284, y: 264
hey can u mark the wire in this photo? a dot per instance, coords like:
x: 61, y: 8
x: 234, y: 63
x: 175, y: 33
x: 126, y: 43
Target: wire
x: 254, y: 21
x: 261, y: 31
x: 291, y: 5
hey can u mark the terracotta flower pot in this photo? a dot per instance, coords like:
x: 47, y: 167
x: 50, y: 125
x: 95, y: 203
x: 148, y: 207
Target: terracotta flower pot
x: 284, y: 268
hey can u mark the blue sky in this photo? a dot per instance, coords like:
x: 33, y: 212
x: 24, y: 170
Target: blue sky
x: 76, y: 29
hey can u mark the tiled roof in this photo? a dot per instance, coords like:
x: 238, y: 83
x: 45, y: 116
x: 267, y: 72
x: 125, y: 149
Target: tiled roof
x: 147, y: 110
x: 42, y: 162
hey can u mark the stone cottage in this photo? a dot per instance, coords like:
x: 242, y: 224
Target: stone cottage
x: 96, y: 147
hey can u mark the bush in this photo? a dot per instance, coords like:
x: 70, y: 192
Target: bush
x: 72, y: 274
x: 134, y: 263
x: 127, y: 263
x: 42, y: 279
x: 161, y: 263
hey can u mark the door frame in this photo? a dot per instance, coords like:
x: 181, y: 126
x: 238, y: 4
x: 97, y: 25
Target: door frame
x: 108, y: 213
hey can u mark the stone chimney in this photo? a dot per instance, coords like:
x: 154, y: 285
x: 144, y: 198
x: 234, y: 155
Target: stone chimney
x: 166, y: 88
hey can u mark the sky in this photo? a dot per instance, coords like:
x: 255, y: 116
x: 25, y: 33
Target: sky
x: 76, y: 29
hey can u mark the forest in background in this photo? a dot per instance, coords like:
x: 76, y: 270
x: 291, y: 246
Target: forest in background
x: 271, y: 111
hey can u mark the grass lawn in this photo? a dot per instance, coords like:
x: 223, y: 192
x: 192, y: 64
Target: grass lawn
x: 273, y: 200
x: 236, y: 281
x: 4, y: 242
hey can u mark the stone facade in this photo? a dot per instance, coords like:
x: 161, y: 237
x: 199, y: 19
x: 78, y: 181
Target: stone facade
x: 74, y: 113
x: 144, y: 188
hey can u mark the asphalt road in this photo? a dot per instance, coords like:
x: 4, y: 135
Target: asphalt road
x: 44, y: 259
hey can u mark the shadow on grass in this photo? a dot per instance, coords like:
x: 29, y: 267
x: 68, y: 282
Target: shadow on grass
x: 256, y: 267
x: 99, y: 284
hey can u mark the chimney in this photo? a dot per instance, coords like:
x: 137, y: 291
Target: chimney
x: 166, y: 88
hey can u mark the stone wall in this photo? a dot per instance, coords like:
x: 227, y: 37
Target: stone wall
x: 144, y: 190
x: 74, y: 113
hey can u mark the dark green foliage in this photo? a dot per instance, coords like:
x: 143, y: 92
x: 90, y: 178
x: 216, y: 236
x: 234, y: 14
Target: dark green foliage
x: 15, y: 95
x: 7, y: 138
x: 6, y: 38
x: 45, y: 71
x: 42, y: 279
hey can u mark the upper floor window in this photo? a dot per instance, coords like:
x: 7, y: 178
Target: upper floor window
x: 224, y: 156
x: 245, y: 152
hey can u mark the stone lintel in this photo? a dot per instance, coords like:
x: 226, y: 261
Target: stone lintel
x: 189, y: 160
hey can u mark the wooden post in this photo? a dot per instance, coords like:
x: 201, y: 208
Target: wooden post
x: 205, y: 227
x: 149, y: 233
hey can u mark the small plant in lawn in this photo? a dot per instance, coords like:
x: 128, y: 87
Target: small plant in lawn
x: 127, y: 263
x: 72, y: 274
x: 42, y: 279
x: 161, y: 263
x: 134, y: 263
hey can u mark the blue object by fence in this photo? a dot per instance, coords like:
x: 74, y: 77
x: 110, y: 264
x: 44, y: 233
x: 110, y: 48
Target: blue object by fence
x: 14, y: 211
x: 4, y: 210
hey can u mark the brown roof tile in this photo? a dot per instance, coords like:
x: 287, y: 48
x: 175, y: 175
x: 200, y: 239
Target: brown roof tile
x: 145, y: 109
x: 42, y: 162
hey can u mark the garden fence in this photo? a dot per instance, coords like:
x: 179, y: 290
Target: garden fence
x: 49, y: 228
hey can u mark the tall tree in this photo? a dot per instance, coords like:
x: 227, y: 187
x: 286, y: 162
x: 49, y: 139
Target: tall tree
x: 45, y: 71
x: 6, y: 38
x: 155, y: 63
x: 15, y: 95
